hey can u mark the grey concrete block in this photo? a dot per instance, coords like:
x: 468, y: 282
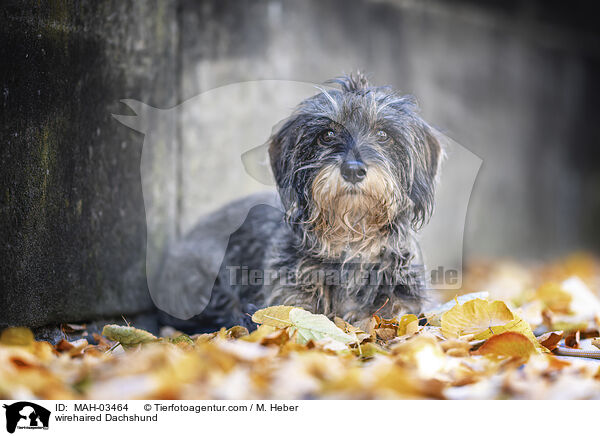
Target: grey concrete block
x: 73, y: 233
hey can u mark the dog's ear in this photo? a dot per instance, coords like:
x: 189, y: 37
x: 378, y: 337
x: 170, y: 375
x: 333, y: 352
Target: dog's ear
x: 427, y: 161
x: 277, y: 148
x: 284, y: 138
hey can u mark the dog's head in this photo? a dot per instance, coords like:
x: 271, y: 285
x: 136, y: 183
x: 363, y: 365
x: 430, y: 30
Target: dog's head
x: 354, y: 166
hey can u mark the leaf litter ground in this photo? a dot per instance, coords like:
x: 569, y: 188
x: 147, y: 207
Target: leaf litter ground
x: 513, y: 332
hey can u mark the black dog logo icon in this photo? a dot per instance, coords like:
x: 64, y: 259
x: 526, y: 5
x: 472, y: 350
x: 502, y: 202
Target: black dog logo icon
x: 26, y: 415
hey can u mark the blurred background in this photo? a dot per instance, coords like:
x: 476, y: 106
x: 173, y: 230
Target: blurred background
x: 515, y: 82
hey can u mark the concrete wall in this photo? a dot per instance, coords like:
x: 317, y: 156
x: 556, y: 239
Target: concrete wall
x: 73, y: 233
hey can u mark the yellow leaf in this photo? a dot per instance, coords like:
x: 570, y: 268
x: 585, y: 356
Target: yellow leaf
x: 17, y: 336
x: 369, y: 349
x: 274, y: 316
x: 308, y: 325
x: 422, y: 352
x: 409, y: 324
x: 517, y: 325
x: 261, y: 332
x: 473, y: 317
x: 569, y: 326
x: 127, y: 336
x: 508, y: 344
x: 554, y: 297
x: 483, y: 319
x: 434, y: 315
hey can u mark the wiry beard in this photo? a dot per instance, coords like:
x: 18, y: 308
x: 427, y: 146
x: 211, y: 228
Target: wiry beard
x: 353, y: 220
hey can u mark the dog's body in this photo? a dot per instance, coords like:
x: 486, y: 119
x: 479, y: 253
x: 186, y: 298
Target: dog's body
x: 355, y: 171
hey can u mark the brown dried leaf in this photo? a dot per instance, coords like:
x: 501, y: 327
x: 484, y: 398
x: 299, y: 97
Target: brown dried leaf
x: 73, y: 348
x: 386, y: 334
x: 371, y: 326
x: 64, y: 345
x: 278, y: 337
x: 359, y: 335
x: 103, y: 343
x: 72, y: 328
x: 550, y: 340
x: 572, y: 340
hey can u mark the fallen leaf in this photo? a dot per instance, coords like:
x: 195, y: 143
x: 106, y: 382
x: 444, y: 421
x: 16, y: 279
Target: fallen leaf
x: 275, y: 316
x: 17, y: 336
x: 550, y: 340
x: 316, y: 327
x: 203, y: 337
x: 408, y: 325
x: 456, y: 347
x: 71, y: 328
x: 371, y: 326
x: 434, y: 315
x: 247, y: 351
x: 73, y: 348
x: 237, y: 331
x: 103, y: 343
x: 383, y: 323
x: 483, y: 319
x: 358, y: 334
x: 572, y: 340
x: 507, y: 344
x: 278, y: 337
x: 127, y: 336
x: 290, y: 361
x: 64, y: 345
x: 423, y: 353
x: 474, y: 316
x: 261, y: 331
x: 369, y: 349
x: 386, y: 334
x: 553, y: 297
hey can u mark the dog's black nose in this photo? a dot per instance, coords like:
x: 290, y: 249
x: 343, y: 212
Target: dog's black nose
x: 353, y: 171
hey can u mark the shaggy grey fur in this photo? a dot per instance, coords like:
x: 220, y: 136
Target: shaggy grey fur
x: 355, y: 169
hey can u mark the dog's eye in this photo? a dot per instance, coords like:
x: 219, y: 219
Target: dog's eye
x: 382, y: 136
x: 327, y: 136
